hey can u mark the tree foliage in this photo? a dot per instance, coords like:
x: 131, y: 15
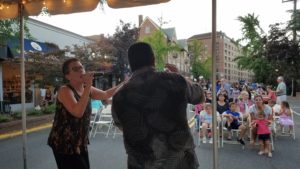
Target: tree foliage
x: 45, y: 69
x: 269, y: 55
x: 125, y: 35
x: 10, y: 29
x: 161, y: 48
x: 199, y: 67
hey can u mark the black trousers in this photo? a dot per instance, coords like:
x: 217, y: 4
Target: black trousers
x: 74, y: 161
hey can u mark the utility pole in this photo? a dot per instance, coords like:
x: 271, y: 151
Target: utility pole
x: 294, y: 40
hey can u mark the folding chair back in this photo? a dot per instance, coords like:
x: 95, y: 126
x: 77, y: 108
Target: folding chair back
x: 237, y: 131
x: 94, y: 117
x: 105, y: 120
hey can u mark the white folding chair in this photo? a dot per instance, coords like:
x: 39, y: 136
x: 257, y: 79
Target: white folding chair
x: 105, y: 120
x: 273, y: 133
x: 94, y: 117
x: 233, y: 131
x: 116, y: 131
x: 283, y: 132
x: 210, y: 129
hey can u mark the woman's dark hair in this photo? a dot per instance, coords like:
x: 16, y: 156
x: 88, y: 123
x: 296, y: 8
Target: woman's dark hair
x: 224, y: 95
x: 65, y: 67
x: 140, y: 55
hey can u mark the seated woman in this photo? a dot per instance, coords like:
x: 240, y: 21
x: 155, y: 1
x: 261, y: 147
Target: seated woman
x: 259, y: 106
x: 222, y: 104
x: 244, y: 104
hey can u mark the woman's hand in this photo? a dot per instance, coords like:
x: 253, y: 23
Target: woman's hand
x: 171, y: 68
x: 88, y: 78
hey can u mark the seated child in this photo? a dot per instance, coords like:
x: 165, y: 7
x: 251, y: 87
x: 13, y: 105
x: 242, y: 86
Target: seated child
x: 206, y: 122
x: 285, y: 118
x: 232, y: 122
x: 263, y: 133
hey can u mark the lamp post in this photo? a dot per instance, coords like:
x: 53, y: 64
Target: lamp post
x: 294, y: 38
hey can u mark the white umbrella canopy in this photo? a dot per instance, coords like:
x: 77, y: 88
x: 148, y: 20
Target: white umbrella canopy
x: 132, y: 3
x: 19, y: 8
x: 9, y: 8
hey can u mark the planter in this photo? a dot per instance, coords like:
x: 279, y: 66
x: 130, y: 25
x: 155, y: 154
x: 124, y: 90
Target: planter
x: 31, y: 122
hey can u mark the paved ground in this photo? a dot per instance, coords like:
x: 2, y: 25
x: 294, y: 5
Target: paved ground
x: 109, y: 153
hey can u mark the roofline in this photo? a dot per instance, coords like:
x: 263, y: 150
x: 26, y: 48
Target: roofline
x: 156, y: 26
x: 207, y: 36
x: 58, y: 28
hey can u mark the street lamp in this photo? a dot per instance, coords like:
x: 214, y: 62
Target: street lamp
x: 294, y: 17
x: 293, y: 87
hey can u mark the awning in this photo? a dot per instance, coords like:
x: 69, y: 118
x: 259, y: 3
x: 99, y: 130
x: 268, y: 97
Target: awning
x: 5, y: 52
x: 31, y: 46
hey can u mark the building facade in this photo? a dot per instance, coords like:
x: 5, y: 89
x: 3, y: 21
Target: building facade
x: 226, y: 51
x: 179, y: 58
x: 43, y: 34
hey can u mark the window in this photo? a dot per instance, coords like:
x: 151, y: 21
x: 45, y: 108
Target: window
x: 147, y: 29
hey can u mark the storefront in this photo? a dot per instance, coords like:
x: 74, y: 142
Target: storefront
x: 10, y: 85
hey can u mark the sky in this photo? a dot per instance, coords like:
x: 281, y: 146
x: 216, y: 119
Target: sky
x: 189, y: 17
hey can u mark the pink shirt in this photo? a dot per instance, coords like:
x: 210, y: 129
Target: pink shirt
x: 244, y: 104
x: 272, y: 95
x: 198, y: 108
x: 262, y: 126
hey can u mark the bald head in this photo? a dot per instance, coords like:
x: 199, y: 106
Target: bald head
x: 279, y: 79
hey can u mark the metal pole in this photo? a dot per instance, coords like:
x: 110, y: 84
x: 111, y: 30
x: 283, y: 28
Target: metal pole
x: 214, y: 105
x: 295, y: 41
x: 294, y: 18
x: 24, y: 136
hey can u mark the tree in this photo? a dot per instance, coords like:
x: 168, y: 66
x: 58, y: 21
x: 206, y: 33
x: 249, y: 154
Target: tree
x: 253, y: 53
x: 45, y: 69
x: 294, y: 23
x: 122, y: 39
x: 161, y: 48
x: 269, y: 55
x: 199, y: 67
x: 10, y: 29
x: 283, y: 53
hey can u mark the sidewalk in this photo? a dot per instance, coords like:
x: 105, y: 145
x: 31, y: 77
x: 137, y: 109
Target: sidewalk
x: 14, y: 128
x: 294, y: 98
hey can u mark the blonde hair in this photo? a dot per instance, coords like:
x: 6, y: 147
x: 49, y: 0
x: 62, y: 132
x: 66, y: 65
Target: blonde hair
x: 244, y: 93
x: 207, y: 105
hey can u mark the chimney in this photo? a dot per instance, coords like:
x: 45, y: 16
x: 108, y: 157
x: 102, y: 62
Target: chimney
x: 140, y: 20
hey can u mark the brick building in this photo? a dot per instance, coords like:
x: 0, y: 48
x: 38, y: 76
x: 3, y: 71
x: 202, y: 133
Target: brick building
x: 226, y: 51
x: 180, y: 59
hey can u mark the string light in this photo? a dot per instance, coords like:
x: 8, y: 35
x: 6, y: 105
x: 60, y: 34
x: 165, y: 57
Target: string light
x: 23, y: 2
x: 44, y: 3
x: 7, y: 7
x: 64, y: 1
x: 1, y: 6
